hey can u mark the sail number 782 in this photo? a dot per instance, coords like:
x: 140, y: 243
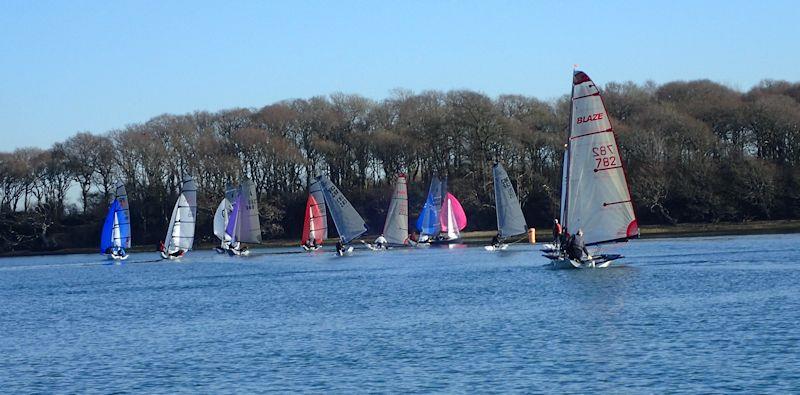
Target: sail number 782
x: 604, y: 157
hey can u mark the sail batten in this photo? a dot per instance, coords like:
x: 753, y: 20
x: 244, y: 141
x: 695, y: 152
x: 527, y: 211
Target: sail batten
x: 595, y: 194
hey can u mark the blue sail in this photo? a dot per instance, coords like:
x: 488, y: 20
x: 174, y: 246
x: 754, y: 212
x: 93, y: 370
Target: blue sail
x: 428, y: 221
x: 107, y: 235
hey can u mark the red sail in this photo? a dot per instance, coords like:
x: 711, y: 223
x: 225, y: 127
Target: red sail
x: 313, y: 226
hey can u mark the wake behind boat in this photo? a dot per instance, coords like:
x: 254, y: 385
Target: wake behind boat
x: 595, y: 199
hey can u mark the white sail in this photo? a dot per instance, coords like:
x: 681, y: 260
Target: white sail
x: 510, y: 220
x: 597, y: 198
x: 180, y: 232
x: 123, y: 218
x: 452, y: 227
x: 395, y: 230
x: 248, y: 227
x: 116, y: 236
x: 221, y: 220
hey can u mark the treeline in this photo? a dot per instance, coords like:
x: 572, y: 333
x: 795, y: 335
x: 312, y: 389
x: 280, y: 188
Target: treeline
x: 695, y: 152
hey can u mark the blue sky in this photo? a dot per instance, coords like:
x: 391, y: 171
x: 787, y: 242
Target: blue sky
x: 71, y: 66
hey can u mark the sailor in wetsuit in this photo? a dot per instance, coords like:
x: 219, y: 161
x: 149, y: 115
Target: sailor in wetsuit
x: 381, y: 242
x: 497, y: 241
x: 576, y: 248
x: 311, y: 244
x: 557, y: 233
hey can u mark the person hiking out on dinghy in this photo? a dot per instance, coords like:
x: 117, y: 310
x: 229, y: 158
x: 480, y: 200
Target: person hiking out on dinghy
x: 381, y: 242
x: 497, y: 241
x: 577, y: 247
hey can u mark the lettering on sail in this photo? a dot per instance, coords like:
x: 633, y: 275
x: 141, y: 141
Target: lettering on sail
x: 591, y: 118
x: 604, y: 157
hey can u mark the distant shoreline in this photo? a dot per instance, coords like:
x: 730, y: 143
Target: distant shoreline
x: 542, y: 235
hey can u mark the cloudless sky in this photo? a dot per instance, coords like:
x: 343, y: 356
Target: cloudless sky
x: 69, y: 66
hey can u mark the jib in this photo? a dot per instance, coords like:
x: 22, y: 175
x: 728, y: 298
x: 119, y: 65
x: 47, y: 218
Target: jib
x: 590, y: 118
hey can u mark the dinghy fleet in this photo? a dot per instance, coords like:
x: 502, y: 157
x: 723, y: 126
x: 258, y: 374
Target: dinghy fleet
x: 595, y: 204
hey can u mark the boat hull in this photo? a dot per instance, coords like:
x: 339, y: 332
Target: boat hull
x: 597, y: 262
x: 346, y: 252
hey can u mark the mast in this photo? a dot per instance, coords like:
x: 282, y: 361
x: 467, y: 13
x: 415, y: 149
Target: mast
x: 565, y: 165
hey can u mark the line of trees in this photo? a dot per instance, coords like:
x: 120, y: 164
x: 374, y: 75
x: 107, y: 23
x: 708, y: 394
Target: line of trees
x: 695, y: 152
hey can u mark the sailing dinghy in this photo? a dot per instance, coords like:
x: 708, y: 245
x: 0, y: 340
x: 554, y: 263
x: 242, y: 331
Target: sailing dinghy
x: 395, y: 229
x: 452, y: 219
x: 428, y: 223
x: 510, y: 220
x: 180, y: 231
x: 244, y: 225
x: 595, y: 196
x: 221, y: 219
x: 116, y: 235
x: 348, y: 222
x: 315, y: 224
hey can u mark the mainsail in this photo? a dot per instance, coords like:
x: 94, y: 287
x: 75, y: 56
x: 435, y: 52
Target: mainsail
x: 124, y: 216
x: 348, y: 222
x: 221, y: 219
x: 246, y: 224
x: 315, y: 190
x: 180, y: 232
x: 114, y: 234
x: 428, y: 221
x: 510, y: 220
x: 452, y: 217
x: 596, y: 195
x: 395, y: 230
x: 315, y: 225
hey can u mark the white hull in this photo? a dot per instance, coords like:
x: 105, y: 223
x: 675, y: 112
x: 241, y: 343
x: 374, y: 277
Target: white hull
x: 117, y: 257
x: 565, y: 263
x: 310, y: 249
x: 493, y: 248
x: 164, y: 255
x: 347, y: 251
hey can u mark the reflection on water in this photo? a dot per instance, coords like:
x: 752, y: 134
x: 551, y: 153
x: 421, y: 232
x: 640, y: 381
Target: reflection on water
x: 698, y: 315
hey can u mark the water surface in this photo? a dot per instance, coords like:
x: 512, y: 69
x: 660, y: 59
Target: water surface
x: 714, y: 314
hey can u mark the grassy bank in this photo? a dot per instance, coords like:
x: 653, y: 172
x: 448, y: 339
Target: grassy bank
x: 542, y: 235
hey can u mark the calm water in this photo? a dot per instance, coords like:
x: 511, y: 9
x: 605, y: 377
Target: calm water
x: 699, y: 314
